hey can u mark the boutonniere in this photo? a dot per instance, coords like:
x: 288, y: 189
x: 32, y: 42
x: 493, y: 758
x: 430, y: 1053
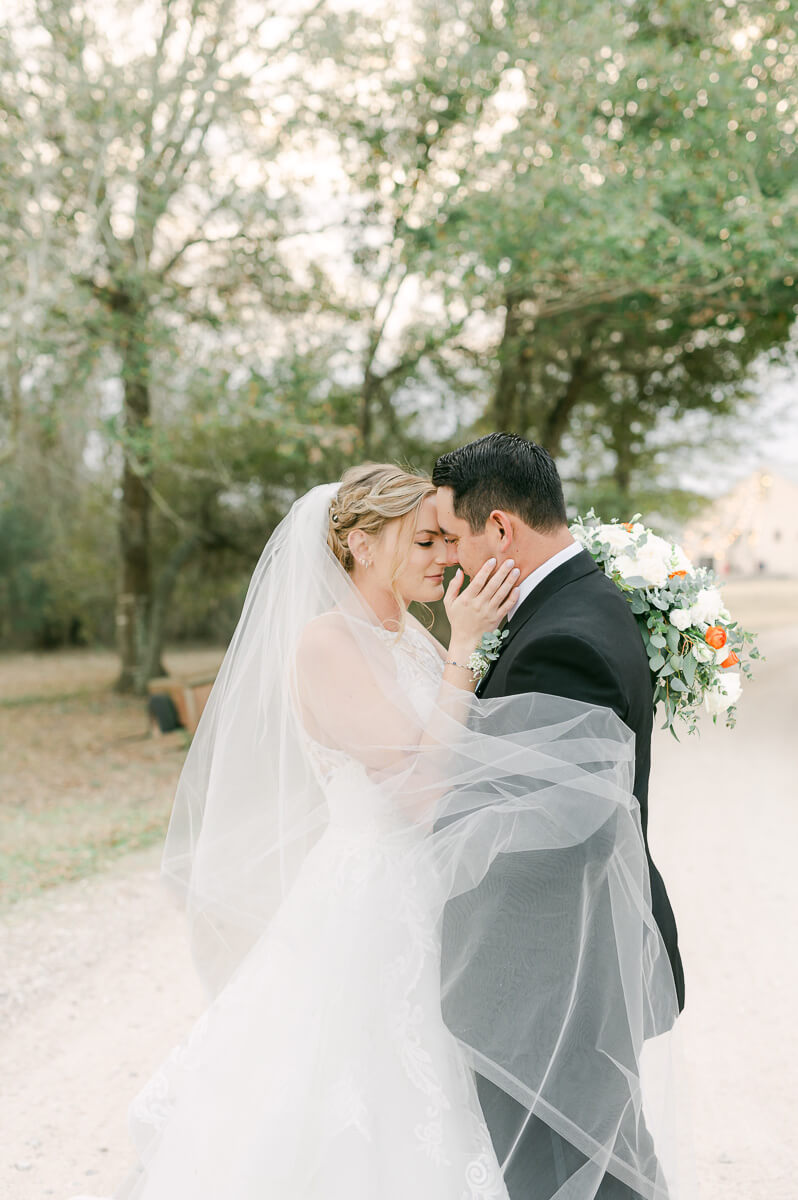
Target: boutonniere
x: 488, y: 650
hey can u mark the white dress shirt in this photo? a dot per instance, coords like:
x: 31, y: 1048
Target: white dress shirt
x: 534, y: 578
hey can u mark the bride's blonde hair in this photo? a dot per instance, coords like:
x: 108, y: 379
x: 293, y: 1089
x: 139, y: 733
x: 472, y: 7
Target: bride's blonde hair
x: 369, y: 497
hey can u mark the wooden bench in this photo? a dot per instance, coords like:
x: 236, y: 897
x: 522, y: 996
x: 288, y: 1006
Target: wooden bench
x: 189, y: 695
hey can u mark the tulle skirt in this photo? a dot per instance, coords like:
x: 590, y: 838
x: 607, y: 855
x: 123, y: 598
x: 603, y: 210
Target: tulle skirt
x: 324, y: 1069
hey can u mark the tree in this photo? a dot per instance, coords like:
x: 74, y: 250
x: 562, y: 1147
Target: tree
x: 399, y: 97
x: 589, y: 178
x: 645, y: 181
x: 148, y: 207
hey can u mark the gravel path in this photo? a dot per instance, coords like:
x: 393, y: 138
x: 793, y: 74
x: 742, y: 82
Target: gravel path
x: 96, y: 983
x: 100, y: 986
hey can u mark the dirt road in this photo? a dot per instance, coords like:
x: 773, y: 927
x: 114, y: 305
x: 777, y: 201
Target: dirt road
x: 96, y: 983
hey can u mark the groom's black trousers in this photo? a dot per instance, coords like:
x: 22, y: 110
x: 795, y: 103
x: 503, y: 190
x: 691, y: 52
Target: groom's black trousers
x: 547, y: 882
x: 542, y: 1161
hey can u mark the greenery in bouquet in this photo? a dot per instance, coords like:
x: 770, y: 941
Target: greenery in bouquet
x: 696, y: 651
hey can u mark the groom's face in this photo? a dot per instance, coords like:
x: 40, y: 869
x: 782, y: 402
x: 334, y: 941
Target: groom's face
x: 464, y: 546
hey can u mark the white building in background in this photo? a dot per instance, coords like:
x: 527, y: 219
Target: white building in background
x: 751, y: 531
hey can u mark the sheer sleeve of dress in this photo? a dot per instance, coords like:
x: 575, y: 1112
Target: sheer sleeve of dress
x: 520, y: 810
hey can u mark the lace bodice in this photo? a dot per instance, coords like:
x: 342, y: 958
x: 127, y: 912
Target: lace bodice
x: 419, y: 666
x: 352, y: 797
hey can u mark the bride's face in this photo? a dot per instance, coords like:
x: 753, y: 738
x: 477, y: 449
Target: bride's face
x: 421, y: 574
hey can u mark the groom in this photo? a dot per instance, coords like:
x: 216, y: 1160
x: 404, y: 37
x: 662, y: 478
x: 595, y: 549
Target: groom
x: 571, y: 634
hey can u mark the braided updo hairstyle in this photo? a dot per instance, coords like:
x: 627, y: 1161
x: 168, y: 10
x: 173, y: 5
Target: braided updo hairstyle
x: 369, y: 497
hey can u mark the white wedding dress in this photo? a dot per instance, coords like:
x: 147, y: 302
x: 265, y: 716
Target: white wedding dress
x: 391, y: 885
x: 323, y: 1070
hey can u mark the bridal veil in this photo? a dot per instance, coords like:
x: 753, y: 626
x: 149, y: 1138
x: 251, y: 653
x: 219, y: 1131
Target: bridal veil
x: 554, y: 977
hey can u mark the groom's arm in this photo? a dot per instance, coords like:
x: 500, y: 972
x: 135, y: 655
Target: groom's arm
x: 565, y: 665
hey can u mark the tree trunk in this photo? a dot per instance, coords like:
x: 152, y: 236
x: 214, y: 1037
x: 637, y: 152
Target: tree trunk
x: 14, y: 390
x: 134, y: 599
x: 164, y: 588
x: 624, y: 447
x: 511, y: 371
x: 623, y: 468
x: 558, y: 417
x: 366, y: 417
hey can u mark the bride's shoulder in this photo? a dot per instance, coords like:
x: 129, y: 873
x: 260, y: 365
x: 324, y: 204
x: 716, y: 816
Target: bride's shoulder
x: 326, y: 623
x: 335, y: 633
x: 338, y: 651
x: 325, y: 632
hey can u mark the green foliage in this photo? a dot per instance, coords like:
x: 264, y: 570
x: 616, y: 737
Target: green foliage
x: 24, y: 593
x: 687, y: 631
x: 235, y: 260
x: 56, y: 574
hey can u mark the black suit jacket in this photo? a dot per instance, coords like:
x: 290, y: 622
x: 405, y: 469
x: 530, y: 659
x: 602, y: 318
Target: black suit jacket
x: 575, y: 636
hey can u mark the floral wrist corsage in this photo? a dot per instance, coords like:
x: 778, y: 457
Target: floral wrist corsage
x: 486, y: 652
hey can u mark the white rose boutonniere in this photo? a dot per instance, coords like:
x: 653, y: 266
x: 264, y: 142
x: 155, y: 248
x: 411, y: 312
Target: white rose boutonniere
x: 487, y: 651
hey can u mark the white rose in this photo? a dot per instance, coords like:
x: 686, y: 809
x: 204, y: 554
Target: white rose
x: 617, y: 538
x: 723, y: 694
x: 663, y: 548
x: 680, y: 618
x: 707, y: 606
x: 656, y: 553
x: 702, y: 652
x: 646, y: 562
x: 627, y: 566
x: 732, y: 685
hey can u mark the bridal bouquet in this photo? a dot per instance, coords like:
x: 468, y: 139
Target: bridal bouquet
x: 692, y: 642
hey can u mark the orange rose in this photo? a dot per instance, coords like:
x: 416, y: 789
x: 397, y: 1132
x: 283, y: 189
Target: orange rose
x: 673, y: 574
x: 731, y: 661
x: 715, y: 636
x: 628, y: 526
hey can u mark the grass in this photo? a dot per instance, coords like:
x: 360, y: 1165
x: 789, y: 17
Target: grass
x: 82, y: 781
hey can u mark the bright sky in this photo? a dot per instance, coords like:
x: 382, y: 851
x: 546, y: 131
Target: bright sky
x: 769, y: 438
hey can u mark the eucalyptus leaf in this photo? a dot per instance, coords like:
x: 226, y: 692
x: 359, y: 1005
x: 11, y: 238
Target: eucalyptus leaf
x: 688, y: 669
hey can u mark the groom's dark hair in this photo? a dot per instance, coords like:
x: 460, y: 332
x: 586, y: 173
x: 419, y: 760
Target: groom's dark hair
x: 503, y: 471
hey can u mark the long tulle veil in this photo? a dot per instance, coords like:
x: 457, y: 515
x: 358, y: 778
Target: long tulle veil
x: 554, y: 977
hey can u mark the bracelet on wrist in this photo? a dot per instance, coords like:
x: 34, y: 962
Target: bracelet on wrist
x: 449, y: 662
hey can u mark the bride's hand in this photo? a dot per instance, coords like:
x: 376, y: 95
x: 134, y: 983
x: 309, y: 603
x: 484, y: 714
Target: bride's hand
x: 482, y: 605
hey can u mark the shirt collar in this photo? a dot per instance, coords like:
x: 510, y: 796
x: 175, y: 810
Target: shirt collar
x: 532, y: 580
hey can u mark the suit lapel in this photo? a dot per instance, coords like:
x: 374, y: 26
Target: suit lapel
x: 575, y: 568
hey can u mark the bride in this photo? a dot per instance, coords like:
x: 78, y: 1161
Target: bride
x: 344, y: 825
